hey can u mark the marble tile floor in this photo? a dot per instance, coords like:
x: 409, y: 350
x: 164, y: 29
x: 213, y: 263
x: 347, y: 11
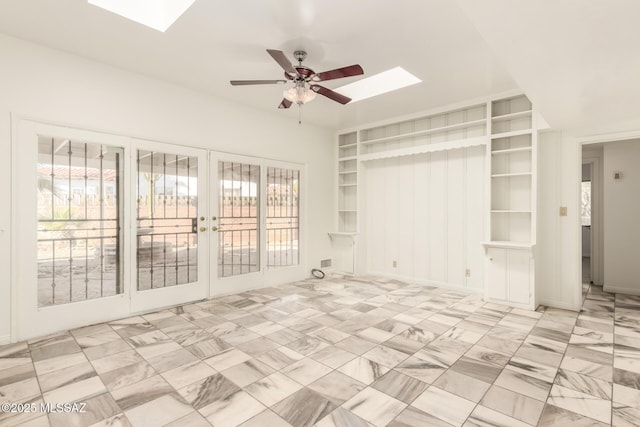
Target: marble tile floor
x: 338, y: 352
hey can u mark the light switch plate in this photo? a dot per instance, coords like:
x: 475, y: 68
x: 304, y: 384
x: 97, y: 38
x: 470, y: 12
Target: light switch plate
x: 563, y: 211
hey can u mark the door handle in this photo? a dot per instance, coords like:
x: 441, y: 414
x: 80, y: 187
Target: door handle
x: 214, y: 228
x: 203, y: 229
x: 213, y: 218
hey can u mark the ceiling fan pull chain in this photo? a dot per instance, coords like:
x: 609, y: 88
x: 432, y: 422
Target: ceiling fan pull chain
x: 299, y: 114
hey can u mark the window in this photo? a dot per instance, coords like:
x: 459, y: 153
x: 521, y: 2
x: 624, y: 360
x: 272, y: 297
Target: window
x: 283, y: 222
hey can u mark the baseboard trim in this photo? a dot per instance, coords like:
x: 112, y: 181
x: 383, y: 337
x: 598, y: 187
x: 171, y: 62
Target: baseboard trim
x: 561, y: 306
x: 618, y: 290
x: 413, y: 281
x: 5, y: 339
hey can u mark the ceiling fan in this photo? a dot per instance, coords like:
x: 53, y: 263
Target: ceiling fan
x: 304, y: 80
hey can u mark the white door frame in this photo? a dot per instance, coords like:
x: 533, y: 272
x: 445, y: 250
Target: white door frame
x: 228, y: 285
x: 27, y: 319
x: 265, y: 276
x: 596, y: 217
x: 294, y: 272
x: 155, y: 299
x: 582, y: 142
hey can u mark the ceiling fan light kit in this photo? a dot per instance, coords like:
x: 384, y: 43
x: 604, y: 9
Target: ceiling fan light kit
x: 299, y: 94
x: 304, y: 79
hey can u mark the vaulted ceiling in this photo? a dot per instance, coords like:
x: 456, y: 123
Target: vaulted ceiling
x: 577, y: 60
x: 571, y: 57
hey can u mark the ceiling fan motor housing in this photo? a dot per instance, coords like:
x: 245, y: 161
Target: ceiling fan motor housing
x: 304, y: 73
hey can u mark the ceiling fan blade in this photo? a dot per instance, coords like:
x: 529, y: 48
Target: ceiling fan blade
x: 282, y: 60
x: 330, y: 94
x: 256, y: 82
x: 285, y: 103
x: 338, y: 73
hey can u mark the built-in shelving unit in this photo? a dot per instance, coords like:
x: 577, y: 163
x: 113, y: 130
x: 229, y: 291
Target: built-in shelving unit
x: 511, y: 156
x: 450, y: 130
x: 348, y: 183
x: 420, y: 134
x: 416, y: 133
x: 507, y: 128
x: 442, y: 130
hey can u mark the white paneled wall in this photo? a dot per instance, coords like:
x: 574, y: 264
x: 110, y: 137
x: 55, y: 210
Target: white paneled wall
x: 425, y: 212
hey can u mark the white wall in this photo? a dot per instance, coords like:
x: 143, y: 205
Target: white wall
x: 558, y: 248
x: 52, y: 86
x: 426, y: 212
x: 549, y: 225
x: 621, y: 215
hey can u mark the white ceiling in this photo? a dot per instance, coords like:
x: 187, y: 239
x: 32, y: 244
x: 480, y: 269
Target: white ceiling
x: 216, y: 41
x: 577, y: 60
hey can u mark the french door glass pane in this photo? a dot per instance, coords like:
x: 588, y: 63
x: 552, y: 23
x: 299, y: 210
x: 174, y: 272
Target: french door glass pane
x: 283, y: 223
x: 239, y: 208
x: 79, y: 221
x: 167, y: 210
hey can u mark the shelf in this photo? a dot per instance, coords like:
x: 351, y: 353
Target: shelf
x: 347, y: 185
x: 344, y: 159
x: 510, y: 211
x: 351, y: 235
x: 352, y: 144
x: 347, y: 172
x: 507, y: 244
x: 425, y: 132
x: 426, y: 148
x: 509, y: 175
x: 510, y: 134
x: 511, y: 116
x: 511, y: 150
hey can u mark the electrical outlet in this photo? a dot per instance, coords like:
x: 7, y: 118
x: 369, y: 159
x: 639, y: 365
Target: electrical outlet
x: 395, y: 264
x: 467, y: 272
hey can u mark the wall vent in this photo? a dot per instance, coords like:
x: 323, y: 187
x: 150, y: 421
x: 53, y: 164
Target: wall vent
x: 325, y: 263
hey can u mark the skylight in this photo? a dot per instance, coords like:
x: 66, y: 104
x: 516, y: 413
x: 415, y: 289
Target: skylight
x: 157, y: 14
x: 386, y: 81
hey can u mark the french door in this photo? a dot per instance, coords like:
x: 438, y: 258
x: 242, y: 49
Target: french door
x: 256, y: 204
x: 68, y: 243
x: 106, y: 226
x: 236, y: 206
x: 171, y: 227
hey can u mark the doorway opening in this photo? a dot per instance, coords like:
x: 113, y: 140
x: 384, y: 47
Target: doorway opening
x: 609, y: 211
x: 586, y: 209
